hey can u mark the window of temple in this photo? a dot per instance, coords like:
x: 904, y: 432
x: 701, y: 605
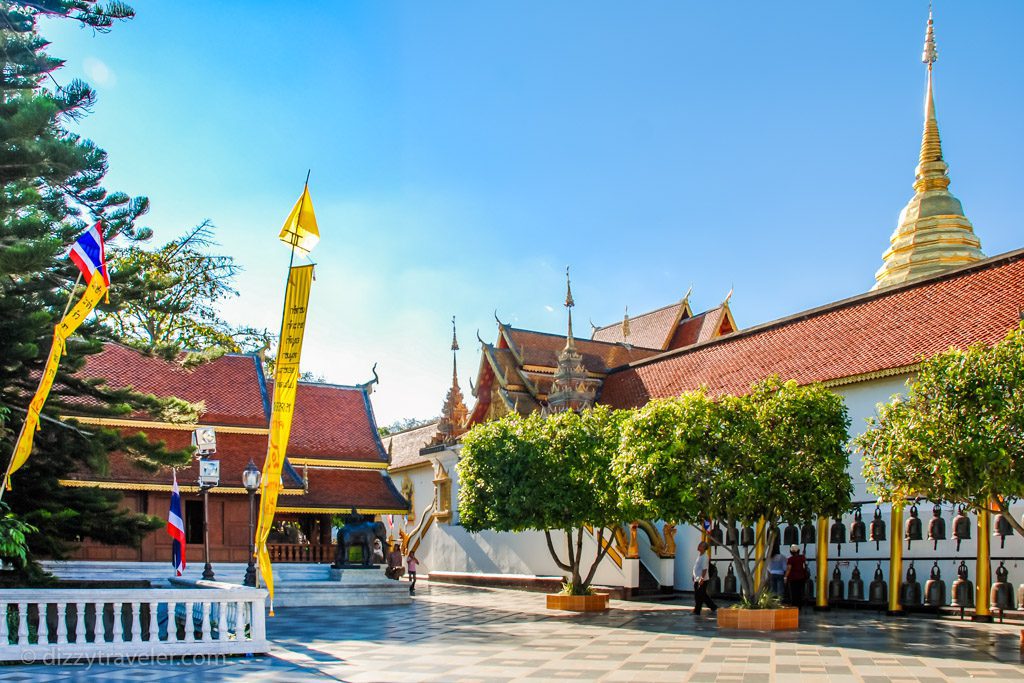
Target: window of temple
x: 442, y: 495
x: 194, y: 521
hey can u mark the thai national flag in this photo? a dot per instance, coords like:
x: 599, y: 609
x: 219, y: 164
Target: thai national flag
x: 89, y: 254
x: 176, y: 528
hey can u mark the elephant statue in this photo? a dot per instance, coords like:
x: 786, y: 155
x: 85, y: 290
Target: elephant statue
x: 361, y: 534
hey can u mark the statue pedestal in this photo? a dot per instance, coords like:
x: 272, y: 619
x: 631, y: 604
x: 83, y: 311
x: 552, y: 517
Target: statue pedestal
x: 345, y: 586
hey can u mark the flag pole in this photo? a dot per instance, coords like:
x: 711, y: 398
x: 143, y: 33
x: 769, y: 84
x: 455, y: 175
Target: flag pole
x: 284, y: 311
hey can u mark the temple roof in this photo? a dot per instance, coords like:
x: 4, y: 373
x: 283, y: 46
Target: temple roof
x: 333, y: 421
x: 881, y: 333
x: 540, y: 349
x: 651, y: 330
x: 404, y: 447
x: 229, y: 387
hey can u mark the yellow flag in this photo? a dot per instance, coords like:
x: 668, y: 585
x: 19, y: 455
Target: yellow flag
x: 64, y: 329
x: 286, y: 377
x: 300, y: 229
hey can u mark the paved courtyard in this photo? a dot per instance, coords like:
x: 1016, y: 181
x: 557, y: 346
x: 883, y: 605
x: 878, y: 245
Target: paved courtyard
x: 471, y: 634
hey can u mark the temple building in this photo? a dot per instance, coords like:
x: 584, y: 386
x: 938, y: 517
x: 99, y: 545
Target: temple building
x: 935, y: 290
x: 336, y: 462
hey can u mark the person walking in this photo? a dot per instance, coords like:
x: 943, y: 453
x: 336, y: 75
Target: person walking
x: 796, y: 576
x: 410, y: 565
x: 777, y: 572
x: 700, y: 581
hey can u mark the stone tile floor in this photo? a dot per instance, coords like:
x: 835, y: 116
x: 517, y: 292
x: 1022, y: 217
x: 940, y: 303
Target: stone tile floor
x: 481, y: 635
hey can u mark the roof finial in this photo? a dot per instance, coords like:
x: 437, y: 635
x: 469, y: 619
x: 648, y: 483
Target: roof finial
x: 625, y: 324
x: 570, y: 343
x: 455, y: 340
x: 930, y: 54
x: 931, y: 171
x: 455, y: 347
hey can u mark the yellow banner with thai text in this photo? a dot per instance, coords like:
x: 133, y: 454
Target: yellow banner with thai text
x: 286, y: 378
x: 64, y: 329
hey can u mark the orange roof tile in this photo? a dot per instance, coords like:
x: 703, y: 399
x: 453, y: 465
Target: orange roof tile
x: 542, y: 349
x: 333, y: 421
x: 648, y: 330
x: 882, y: 330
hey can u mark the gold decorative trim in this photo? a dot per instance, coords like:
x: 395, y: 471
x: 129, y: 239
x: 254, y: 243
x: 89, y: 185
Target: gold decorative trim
x: 875, y: 374
x: 186, y: 488
x: 403, y: 468
x: 343, y: 511
x: 171, y: 426
x: 327, y: 463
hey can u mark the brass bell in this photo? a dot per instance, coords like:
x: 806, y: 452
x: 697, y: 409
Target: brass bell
x: 747, y: 536
x: 963, y: 589
x: 858, y: 530
x: 716, y: 534
x: 809, y: 595
x: 855, y: 587
x: 1001, y: 596
x: 910, y: 590
x: 877, y: 527
x: 913, y: 530
x: 808, y: 536
x: 878, y: 591
x: 835, y: 586
x: 961, y: 529
x: 791, y: 535
x: 714, y: 581
x: 729, y: 585
x: 837, y: 535
x: 935, y: 588
x: 1002, y: 529
x: 732, y: 535
x: 936, y: 526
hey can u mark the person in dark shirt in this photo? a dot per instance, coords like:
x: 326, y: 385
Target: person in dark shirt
x: 796, y: 576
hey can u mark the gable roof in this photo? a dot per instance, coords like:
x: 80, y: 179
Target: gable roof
x: 404, y: 447
x: 333, y: 421
x: 540, y: 349
x: 886, y: 331
x: 649, y: 330
x: 227, y: 386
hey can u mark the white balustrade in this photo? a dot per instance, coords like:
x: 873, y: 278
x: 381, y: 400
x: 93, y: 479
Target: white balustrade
x: 53, y: 625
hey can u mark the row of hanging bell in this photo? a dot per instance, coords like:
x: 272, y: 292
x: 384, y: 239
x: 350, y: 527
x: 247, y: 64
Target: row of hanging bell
x: 1002, y: 529
x: 855, y: 586
x: 1001, y: 595
x: 963, y: 589
x: 793, y: 535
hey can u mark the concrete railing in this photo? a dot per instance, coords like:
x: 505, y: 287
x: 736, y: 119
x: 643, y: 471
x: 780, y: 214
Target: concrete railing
x: 199, y: 618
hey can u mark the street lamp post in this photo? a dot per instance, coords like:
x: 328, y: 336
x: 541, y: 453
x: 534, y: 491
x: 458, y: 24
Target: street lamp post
x: 207, y: 568
x: 251, y: 482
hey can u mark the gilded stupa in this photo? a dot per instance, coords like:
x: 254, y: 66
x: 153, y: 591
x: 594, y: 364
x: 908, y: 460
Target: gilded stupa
x: 933, y: 234
x: 454, y: 413
x: 573, y: 387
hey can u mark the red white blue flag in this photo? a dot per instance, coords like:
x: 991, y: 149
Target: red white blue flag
x: 89, y: 254
x: 176, y: 528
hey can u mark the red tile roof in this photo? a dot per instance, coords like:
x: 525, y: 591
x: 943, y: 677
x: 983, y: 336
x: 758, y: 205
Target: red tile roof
x: 336, y: 489
x: 228, y: 387
x: 542, y: 349
x: 333, y: 421
x: 404, y: 447
x: 883, y: 330
x: 648, y: 330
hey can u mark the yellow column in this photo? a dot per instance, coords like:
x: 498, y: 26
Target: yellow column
x: 759, y: 535
x: 983, y: 573
x: 821, y: 565
x: 895, y: 557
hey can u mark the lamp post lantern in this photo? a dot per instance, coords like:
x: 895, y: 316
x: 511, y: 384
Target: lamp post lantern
x: 251, y: 482
x: 209, y: 476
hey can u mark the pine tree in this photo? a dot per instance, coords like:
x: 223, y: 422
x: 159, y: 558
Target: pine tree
x: 51, y: 189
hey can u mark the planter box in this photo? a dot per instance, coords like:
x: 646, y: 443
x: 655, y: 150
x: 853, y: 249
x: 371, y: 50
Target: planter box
x: 782, y: 619
x: 578, y: 603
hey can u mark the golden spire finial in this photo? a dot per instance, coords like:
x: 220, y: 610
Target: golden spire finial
x: 455, y: 340
x: 455, y: 347
x: 625, y: 325
x: 933, y: 233
x: 570, y: 343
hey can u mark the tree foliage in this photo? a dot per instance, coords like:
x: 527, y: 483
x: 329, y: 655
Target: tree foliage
x: 51, y: 188
x: 957, y: 434
x: 544, y: 474
x: 775, y: 454
x: 171, y: 295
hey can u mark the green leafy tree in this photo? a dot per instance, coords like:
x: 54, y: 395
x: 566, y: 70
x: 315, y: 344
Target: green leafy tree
x: 545, y: 474
x: 51, y: 188
x: 775, y: 454
x: 171, y: 295
x: 957, y: 434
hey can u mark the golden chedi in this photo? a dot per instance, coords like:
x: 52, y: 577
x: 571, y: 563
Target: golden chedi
x: 933, y: 234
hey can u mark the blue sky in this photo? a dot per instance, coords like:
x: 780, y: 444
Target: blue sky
x: 463, y: 153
